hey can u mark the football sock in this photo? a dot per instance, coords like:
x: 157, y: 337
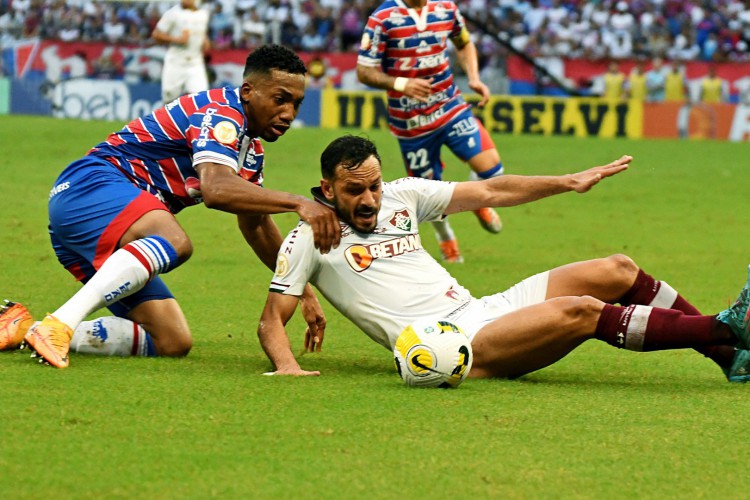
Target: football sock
x: 645, y: 328
x: 443, y: 230
x: 125, y: 272
x: 495, y: 171
x: 648, y: 291
x: 112, y: 336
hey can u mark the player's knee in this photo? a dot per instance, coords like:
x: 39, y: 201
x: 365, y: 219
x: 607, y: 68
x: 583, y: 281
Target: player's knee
x: 578, y: 314
x: 176, y: 347
x: 183, y: 246
x: 621, y: 268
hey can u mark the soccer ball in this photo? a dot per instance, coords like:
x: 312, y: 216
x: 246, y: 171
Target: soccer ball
x: 433, y: 353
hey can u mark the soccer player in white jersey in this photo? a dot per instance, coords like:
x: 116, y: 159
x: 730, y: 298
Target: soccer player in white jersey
x: 184, y: 28
x: 382, y: 279
x: 404, y: 50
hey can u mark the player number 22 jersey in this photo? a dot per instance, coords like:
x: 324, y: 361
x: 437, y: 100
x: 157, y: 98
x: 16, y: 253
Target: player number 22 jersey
x: 410, y: 43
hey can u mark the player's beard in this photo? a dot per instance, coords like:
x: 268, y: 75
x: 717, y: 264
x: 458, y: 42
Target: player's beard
x: 350, y: 217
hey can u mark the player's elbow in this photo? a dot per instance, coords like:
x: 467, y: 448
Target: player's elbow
x: 214, y: 197
x: 363, y: 74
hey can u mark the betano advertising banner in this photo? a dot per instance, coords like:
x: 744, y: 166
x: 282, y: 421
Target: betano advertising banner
x: 559, y: 116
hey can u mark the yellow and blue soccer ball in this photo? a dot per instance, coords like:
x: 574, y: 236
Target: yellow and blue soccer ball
x: 433, y: 353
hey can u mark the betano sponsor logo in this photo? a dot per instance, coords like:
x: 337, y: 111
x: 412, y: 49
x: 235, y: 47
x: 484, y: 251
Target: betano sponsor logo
x: 361, y: 257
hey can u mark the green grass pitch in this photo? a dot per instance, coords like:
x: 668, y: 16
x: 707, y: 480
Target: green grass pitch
x: 602, y: 423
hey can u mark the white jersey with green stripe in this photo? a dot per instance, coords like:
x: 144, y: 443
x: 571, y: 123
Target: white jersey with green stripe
x: 384, y: 280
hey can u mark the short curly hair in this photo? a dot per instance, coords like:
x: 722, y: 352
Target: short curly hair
x: 269, y: 57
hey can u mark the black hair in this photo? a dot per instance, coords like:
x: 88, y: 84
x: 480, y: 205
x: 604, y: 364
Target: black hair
x: 348, y: 151
x: 269, y: 57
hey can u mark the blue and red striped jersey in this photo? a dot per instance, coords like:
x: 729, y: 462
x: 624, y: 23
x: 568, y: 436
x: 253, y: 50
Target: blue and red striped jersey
x: 159, y: 152
x: 412, y: 43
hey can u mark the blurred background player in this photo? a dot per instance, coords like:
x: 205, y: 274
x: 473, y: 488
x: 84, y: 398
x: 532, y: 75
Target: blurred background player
x: 112, y: 223
x: 713, y: 88
x: 655, y: 80
x: 404, y: 51
x: 675, y: 84
x: 614, y: 82
x: 635, y: 85
x: 184, y: 28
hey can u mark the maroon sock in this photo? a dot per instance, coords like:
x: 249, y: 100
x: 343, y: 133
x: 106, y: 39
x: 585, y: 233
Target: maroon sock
x: 649, y: 292
x: 644, y: 328
x: 645, y: 289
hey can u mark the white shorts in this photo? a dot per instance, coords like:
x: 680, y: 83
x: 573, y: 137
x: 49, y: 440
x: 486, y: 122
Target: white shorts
x: 531, y: 291
x: 182, y: 77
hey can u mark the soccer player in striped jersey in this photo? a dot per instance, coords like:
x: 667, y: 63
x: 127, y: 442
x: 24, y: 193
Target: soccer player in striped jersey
x: 382, y: 279
x: 404, y: 51
x: 112, y: 220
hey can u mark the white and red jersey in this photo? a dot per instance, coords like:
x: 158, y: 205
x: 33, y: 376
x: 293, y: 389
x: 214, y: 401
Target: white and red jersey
x: 381, y: 280
x: 410, y: 43
x: 159, y: 152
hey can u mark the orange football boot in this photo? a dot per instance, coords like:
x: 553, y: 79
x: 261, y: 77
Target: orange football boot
x: 15, y: 321
x: 449, y: 250
x: 489, y: 220
x: 50, y: 339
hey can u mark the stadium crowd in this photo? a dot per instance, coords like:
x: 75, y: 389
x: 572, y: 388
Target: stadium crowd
x: 709, y: 30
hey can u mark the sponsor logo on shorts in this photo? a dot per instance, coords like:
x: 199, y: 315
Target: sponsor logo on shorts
x: 59, y: 188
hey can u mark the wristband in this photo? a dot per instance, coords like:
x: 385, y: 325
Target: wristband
x: 399, y: 84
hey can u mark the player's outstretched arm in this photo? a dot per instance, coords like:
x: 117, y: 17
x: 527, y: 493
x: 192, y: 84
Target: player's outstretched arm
x: 222, y: 189
x: 511, y: 190
x: 273, y: 337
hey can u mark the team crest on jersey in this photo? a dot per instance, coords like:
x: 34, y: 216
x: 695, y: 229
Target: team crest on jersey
x: 401, y: 220
x: 361, y: 257
x: 225, y: 132
x: 365, y: 42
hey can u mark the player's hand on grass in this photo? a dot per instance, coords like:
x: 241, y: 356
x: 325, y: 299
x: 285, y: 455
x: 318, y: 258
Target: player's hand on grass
x: 295, y: 372
x: 418, y: 88
x: 481, y: 89
x: 583, y: 181
x: 324, y: 223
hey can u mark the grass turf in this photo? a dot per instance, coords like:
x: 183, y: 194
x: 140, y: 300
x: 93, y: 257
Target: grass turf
x: 600, y: 423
